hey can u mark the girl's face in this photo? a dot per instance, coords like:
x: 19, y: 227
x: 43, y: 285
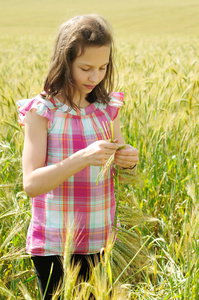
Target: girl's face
x: 89, y: 69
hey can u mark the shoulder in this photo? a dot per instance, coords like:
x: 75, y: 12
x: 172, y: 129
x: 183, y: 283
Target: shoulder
x: 42, y: 107
x: 115, y: 103
x: 35, y: 120
x: 117, y: 97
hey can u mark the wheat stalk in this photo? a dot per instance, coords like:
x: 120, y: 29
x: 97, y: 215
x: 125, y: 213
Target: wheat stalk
x: 108, y: 136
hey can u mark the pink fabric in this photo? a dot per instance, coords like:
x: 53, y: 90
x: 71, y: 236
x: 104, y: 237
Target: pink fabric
x: 89, y: 207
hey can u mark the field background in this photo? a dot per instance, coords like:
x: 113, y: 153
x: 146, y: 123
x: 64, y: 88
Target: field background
x: 129, y: 17
x: 158, y: 63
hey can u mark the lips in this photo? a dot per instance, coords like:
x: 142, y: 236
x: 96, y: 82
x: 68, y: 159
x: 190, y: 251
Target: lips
x: 90, y: 87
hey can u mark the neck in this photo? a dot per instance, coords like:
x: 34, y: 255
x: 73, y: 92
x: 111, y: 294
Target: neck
x: 79, y: 101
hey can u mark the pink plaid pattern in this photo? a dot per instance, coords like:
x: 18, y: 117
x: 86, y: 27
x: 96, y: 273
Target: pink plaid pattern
x: 90, y: 208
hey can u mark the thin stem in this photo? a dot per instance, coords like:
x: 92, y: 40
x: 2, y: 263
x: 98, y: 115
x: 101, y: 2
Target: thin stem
x: 116, y: 197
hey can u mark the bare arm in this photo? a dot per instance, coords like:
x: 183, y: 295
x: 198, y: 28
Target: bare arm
x: 39, y: 179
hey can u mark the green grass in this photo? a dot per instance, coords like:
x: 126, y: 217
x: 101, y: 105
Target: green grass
x: 158, y: 65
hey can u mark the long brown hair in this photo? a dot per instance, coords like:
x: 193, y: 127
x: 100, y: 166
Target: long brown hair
x: 73, y: 36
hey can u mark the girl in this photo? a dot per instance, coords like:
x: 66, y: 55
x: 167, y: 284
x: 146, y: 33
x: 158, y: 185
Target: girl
x: 64, y: 148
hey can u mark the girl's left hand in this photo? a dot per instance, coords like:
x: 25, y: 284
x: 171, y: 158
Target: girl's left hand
x: 126, y: 157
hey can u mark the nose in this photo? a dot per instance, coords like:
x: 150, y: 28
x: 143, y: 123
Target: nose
x: 94, y: 76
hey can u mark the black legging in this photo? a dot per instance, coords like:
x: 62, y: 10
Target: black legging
x: 43, y: 265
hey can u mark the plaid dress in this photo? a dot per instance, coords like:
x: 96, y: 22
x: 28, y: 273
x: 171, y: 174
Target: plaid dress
x: 88, y: 207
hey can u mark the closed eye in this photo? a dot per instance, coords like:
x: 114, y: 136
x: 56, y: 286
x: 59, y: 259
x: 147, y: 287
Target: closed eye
x: 103, y: 68
x: 85, y: 70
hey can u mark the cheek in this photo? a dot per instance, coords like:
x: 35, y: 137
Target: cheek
x: 102, y: 76
x: 78, y: 77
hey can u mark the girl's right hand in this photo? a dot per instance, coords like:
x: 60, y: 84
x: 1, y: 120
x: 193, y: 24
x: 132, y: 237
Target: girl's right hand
x: 98, y: 153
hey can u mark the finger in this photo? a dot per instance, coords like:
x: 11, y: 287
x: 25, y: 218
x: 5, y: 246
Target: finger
x: 125, y: 161
x: 127, y: 158
x: 129, y: 152
x: 107, y: 154
x: 111, y: 146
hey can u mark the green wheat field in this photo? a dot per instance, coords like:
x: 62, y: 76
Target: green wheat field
x: 156, y: 254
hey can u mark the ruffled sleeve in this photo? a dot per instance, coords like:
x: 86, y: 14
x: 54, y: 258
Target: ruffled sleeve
x: 116, y: 102
x: 44, y: 108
